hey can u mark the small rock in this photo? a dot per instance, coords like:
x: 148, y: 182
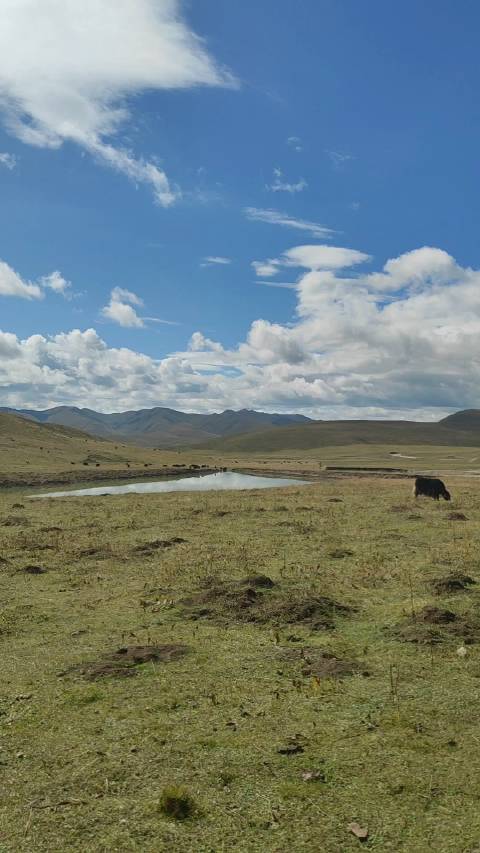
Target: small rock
x: 360, y: 832
x: 313, y: 776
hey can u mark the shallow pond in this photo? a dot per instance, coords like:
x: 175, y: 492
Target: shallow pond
x: 210, y: 482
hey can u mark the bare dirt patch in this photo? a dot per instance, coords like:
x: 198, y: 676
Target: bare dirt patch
x: 123, y: 662
x: 321, y: 663
x: 259, y: 600
x: 15, y: 521
x: 98, y: 553
x: 457, y: 516
x: 258, y: 581
x: 454, y: 582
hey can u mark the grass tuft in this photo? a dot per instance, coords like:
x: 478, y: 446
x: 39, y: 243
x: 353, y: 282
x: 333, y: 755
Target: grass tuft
x: 177, y: 804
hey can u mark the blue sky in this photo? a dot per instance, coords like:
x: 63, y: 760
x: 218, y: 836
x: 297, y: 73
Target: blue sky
x: 358, y: 117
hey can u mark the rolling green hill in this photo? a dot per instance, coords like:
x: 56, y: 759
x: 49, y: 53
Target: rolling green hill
x: 337, y: 433
x: 30, y: 448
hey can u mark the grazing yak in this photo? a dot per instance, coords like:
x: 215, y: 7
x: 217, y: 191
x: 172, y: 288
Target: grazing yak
x: 431, y: 488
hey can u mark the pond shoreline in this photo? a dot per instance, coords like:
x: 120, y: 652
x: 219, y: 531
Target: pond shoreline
x: 219, y: 481
x: 60, y: 478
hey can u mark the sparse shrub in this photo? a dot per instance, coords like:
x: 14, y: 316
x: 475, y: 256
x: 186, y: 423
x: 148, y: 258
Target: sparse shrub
x: 177, y: 803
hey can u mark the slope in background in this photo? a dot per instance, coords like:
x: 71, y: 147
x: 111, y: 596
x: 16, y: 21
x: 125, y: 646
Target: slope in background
x: 159, y: 427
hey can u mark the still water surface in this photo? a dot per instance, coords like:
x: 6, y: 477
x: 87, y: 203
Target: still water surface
x: 207, y: 483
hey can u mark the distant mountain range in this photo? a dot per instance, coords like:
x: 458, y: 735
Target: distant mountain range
x: 249, y: 431
x: 159, y: 427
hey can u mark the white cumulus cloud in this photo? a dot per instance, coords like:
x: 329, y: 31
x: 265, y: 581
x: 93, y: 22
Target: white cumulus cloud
x: 120, y: 309
x: 69, y: 71
x: 56, y: 282
x: 12, y: 283
x: 310, y: 257
x: 400, y: 342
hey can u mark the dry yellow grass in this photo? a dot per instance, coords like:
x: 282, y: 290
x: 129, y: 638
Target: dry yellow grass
x: 237, y: 722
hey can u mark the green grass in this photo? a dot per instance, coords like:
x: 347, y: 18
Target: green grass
x: 85, y: 764
x: 313, y: 436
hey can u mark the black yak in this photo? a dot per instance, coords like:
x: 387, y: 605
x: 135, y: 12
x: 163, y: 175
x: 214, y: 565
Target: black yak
x: 431, y: 487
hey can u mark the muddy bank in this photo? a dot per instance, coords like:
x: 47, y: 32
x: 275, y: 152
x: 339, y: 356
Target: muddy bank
x: 328, y: 473
x: 59, y: 478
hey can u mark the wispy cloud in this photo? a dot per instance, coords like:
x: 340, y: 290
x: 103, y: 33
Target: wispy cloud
x: 287, y: 285
x: 215, y: 260
x: 63, y: 77
x: 276, y: 217
x: 295, y: 142
x: 339, y: 158
x: 8, y: 160
x: 279, y: 185
x: 265, y: 269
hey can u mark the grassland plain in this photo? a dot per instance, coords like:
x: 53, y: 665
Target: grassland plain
x: 276, y: 752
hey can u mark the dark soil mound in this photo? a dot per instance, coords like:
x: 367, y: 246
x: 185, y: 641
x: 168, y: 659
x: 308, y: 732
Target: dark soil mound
x: 158, y: 544
x: 318, y: 612
x: 436, y: 616
x: 455, y: 582
x: 434, y: 625
x: 340, y: 554
x: 98, y: 553
x: 257, y: 581
x: 457, y: 516
x: 33, y: 570
x: 123, y: 662
x: 258, y: 599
